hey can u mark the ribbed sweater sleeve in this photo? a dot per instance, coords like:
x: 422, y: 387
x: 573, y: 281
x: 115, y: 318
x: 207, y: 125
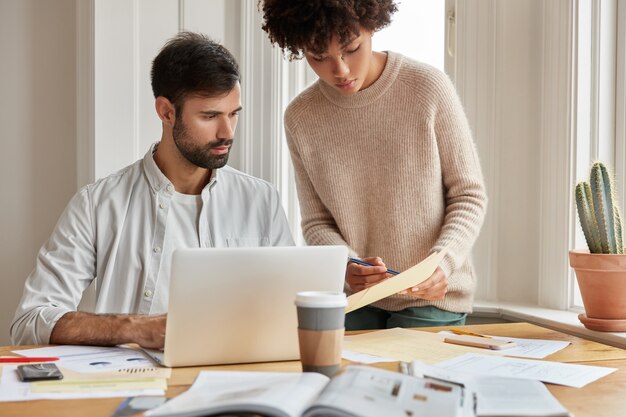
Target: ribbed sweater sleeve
x: 391, y: 171
x: 465, y: 197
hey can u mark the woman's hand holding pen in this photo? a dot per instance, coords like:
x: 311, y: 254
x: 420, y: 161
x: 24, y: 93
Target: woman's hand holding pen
x: 434, y: 288
x: 360, y: 276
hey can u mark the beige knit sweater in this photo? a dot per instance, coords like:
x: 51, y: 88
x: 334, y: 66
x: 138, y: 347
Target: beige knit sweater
x: 391, y: 171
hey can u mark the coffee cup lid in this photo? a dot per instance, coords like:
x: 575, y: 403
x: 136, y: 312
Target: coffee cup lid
x: 321, y: 299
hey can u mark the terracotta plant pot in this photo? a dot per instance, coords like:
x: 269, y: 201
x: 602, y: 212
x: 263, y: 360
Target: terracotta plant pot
x: 602, y: 282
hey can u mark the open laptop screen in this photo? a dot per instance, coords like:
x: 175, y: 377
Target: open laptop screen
x: 236, y: 305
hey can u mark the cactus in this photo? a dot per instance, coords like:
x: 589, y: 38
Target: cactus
x: 599, y: 213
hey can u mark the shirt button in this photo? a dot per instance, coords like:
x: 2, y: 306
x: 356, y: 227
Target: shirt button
x: 147, y: 293
x: 157, y: 249
x: 162, y: 205
x: 170, y: 188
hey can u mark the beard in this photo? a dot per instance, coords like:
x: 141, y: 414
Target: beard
x: 199, y: 155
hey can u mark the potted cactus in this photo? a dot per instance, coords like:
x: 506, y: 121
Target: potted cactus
x: 600, y: 271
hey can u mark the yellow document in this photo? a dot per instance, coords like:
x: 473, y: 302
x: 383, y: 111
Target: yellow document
x: 132, y: 373
x: 99, y: 385
x: 407, y: 345
x: 407, y: 279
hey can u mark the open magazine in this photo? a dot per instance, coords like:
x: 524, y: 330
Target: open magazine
x: 357, y: 391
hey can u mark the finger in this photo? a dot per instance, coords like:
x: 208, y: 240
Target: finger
x: 433, y: 280
x: 409, y: 290
x: 425, y: 286
x: 436, y: 292
x: 366, y: 279
x: 375, y: 278
x: 356, y: 269
x: 432, y: 288
x: 406, y: 291
x: 371, y: 284
x: 357, y: 288
x: 374, y: 260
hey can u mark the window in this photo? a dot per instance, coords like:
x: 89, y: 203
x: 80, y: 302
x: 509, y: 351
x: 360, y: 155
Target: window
x: 417, y: 31
x: 599, y: 132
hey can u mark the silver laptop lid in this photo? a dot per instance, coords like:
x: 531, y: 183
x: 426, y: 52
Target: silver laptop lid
x: 236, y: 305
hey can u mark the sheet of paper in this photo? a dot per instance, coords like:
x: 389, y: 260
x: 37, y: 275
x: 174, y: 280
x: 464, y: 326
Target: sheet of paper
x: 516, y: 397
x: 124, y: 373
x: 364, y: 357
x: 88, y: 359
x: 406, y: 345
x: 99, y: 385
x: 499, y: 396
x: 12, y: 389
x: 529, y: 348
x: 409, y: 278
x: 571, y: 375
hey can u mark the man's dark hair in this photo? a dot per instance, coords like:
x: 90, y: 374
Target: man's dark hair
x: 192, y: 64
x: 296, y: 25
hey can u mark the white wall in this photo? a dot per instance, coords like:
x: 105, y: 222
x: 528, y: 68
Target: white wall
x: 37, y: 136
x: 124, y: 37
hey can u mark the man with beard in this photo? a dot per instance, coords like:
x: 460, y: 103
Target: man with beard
x: 122, y: 229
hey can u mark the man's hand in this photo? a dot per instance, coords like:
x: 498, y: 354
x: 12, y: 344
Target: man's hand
x: 80, y: 328
x: 149, y: 331
x: 360, y: 277
x: 434, y: 288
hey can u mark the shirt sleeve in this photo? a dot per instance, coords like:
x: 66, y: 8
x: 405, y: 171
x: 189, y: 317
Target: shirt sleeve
x: 318, y: 224
x: 65, y: 266
x: 465, y: 194
x: 280, y: 233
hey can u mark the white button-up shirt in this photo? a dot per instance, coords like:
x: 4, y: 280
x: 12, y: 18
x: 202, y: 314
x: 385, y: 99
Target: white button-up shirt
x: 115, y: 230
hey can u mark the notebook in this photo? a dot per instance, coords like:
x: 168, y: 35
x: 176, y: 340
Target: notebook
x: 236, y: 305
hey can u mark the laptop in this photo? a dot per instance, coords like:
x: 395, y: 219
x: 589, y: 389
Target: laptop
x: 236, y: 305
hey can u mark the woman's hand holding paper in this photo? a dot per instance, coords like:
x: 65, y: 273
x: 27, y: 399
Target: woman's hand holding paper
x: 434, y: 288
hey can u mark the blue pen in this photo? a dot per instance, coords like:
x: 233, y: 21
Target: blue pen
x: 360, y: 262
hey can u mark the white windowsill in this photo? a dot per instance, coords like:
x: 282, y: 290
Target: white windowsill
x: 564, y: 321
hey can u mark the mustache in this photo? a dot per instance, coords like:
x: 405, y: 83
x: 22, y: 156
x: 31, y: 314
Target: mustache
x: 221, y: 142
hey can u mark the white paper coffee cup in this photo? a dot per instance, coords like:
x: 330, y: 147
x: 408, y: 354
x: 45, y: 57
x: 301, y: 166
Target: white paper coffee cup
x: 321, y: 317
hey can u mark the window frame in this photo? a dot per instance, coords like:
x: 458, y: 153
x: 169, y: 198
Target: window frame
x: 599, y: 86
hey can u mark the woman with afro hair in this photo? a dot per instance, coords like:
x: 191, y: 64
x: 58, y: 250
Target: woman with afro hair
x: 384, y: 160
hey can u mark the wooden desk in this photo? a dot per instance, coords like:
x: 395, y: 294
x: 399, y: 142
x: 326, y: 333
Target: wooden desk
x: 605, y: 397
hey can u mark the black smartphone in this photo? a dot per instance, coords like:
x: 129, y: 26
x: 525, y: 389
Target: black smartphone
x: 38, y: 372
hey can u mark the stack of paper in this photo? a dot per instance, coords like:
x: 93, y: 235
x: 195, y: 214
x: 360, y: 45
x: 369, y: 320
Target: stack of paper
x: 88, y: 372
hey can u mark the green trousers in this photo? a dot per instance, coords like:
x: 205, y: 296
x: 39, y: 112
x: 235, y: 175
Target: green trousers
x: 368, y: 318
